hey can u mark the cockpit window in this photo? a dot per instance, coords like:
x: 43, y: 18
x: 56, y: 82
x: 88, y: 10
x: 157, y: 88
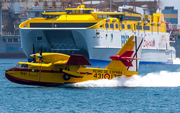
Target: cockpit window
x: 17, y: 65
x: 26, y: 66
x: 22, y: 65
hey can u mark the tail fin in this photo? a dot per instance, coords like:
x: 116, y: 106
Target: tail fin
x: 128, y: 56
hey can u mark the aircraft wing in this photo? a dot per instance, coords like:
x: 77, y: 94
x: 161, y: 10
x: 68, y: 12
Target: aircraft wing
x: 78, y: 60
x: 73, y: 74
x: 62, y: 62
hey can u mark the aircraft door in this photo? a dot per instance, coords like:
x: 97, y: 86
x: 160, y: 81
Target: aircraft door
x: 33, y: 73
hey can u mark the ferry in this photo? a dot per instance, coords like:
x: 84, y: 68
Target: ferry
x: 97, y: 35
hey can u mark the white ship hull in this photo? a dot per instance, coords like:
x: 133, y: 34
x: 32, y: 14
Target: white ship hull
x: 96, y: 45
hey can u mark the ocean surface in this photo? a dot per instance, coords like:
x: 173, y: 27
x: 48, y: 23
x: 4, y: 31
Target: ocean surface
x: 155, y: 89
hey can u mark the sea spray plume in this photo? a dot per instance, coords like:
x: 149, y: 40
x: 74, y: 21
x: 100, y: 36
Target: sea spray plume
x: 161, y: 79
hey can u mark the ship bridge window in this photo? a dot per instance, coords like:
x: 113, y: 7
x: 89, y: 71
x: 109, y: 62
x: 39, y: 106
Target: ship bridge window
x: 122, y: 26
x: 129, y: 26
x: 51, y: 16
x: 139, y: 27
x: 87, y: 11
x: 111, y: 25
x: 132, y: 18
x: 116, y: 25
x: 79, y: 11
x: 102, y: 16
x: 106, y: 16
x: 107, y: 25
x: 146, y: 28
x: 121, y: 17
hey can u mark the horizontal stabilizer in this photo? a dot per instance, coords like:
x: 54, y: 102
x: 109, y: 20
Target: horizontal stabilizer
x: 73, y: 74
x: 125, y: 58
x: 77, y: 60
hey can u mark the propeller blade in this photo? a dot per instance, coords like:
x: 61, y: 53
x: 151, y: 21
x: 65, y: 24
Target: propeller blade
x: 34, y: 60
x: 40, y: 54
x: 41, y: 51
x: 33, y: 49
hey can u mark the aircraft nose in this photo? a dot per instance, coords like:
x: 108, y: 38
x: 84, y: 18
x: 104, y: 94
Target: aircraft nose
x: 11, y: 70
x: 7, y: 70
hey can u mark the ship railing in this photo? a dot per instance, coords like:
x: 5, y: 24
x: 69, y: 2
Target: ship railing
x: 65, y: 49
x: 23, y: 24
x: 59, y: 48
x: 97, y: 24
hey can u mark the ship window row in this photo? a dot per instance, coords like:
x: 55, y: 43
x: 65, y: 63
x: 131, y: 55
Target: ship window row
x: 138, y: 27
x: 121, y: 17
x: 111, y: 25
x: 146, y: 28
x: 132, y: 18
x: 51, y: 16
x: 129, y: 26
x: 61, y: 25
x: 79, y: 11
x: 102, y: 16
x: 115, y: 16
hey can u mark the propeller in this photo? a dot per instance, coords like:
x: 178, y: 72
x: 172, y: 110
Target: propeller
x: 33, y: 55
x: 34, y: 60
x: 40, y: 54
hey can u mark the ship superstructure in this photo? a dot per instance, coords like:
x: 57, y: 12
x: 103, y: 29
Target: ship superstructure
x: 96, y: 35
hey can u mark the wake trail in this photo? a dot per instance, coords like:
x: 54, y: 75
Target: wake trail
x: 161, y: 79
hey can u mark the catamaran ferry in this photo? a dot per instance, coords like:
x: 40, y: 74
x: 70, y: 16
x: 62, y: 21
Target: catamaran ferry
x: 97, y: 35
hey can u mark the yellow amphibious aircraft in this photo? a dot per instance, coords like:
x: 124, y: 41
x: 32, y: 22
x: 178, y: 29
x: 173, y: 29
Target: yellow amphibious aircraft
x: 53, y: 69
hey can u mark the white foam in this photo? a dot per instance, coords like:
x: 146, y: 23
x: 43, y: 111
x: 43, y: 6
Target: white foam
x: 176, y: 61
x: 161, y: 79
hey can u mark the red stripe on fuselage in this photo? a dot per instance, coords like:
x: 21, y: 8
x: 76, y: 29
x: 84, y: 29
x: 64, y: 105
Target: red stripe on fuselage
x: 85, y: 73
x: 30, y: 70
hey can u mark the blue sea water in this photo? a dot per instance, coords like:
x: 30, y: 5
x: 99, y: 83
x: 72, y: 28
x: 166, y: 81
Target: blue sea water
x: 154, y: 89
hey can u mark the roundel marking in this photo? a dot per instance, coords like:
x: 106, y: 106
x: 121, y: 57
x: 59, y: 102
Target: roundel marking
x: 106, y: 76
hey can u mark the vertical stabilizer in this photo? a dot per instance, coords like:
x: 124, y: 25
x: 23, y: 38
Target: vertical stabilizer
x: 128, y: 56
